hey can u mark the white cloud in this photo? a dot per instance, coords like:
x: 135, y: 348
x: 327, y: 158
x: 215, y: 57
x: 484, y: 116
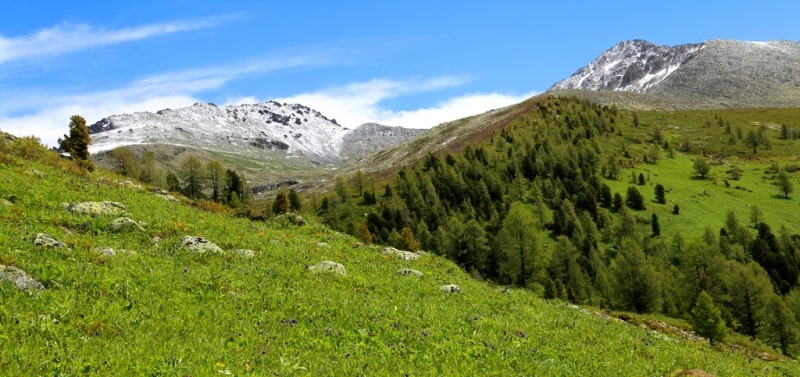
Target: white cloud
x: 67, y: 37
x: 359, y: 103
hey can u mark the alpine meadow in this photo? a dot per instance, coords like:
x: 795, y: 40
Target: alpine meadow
x: 638, y: 219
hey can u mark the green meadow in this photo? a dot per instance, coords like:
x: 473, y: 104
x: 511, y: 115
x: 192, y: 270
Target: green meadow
x: 156, y: 309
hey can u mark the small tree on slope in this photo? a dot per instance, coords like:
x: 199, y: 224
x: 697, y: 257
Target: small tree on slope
x: 707, y: 319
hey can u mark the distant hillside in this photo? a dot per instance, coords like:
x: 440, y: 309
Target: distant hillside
x: 272, y: 143
x: 372, y: 137
x: 712, y: 74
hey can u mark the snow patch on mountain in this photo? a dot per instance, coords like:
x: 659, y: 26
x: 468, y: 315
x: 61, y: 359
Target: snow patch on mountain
x: 292, y: 128
x: 633, y: 66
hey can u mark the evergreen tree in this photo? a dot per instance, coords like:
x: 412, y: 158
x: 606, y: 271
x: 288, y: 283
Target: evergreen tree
x: 149, y: 171
x: 659, y: 193
x: 233, y: 192
x: 654, y: 225
x: 77, y: 142
x: 192, y: 174
x: 784, y: 183
x: 634, y: 199
x: 126, y: 162
x: 295, y: 202
x: 517, y: 246
x: 173, y: 183
x: 637, y: 285
x: 215, y: 173
x: 281, y: 204
x: 780, y: 325
x: 701, y: 167
x: 749, y: 289
x: 707, y: 319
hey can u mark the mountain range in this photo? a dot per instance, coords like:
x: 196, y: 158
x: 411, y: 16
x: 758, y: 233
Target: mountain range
x: 277, y: 142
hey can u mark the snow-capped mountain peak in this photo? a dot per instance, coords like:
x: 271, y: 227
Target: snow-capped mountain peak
x: 633, y: 66
x: 292, y: 128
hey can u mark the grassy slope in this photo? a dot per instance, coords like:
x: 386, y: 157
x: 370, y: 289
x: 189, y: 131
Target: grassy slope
x: 706, y: 202
x: 168, y: 312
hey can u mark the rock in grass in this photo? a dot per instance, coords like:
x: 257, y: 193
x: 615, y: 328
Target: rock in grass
x: 244, y: 253
x: 20, y: 278
x: 409, y: 272
x: 46, y: 240
x: 95, y: 208
x: 105, y: 251
x: 121, y: 224
x: 200, y: 245
x: 450, y: 288
x: 402, y: 254
x: 6, y: 203
x: 328, y: 266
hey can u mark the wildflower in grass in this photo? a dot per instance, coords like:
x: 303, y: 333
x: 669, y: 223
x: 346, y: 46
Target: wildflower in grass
x: 261, y: 234
x: 219, y: 365
x: 247, y: 367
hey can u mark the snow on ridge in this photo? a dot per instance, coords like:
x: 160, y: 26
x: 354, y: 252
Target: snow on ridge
x: 292, y: 128
x: 635, y: 65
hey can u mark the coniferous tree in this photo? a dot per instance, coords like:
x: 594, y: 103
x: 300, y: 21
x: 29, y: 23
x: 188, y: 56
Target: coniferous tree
x: 126, y: 162
x: 281, y: 204
x: 707, y: 319
x: 149, y: 171
x: 701, y: 167
x: 659, y: 193
x: 654, y: 225
x: 637, y: 285
x: 76, y: 143
x: 780, y: 325
x: 215, y: 178
x: 173, y: 183
x: 634, y: 199
x: 784, y: 183
x: 294, y: 200
x: 191, y: 171
x: 749, y: 289
x: 517, y: 245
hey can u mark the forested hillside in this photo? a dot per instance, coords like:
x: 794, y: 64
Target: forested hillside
x: 608, y: 208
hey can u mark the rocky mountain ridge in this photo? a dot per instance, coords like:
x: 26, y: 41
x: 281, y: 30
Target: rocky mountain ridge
x: 714, y: 73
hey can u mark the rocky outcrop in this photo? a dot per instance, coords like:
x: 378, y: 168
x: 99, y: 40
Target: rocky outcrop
x: 450, y: 288
x: 372, y: 137
x: 329, y: 267
x: 199, y: 245
x: 95, y: 208
x: 244, y: 253
x: 401, y: 254
x: 46, y: 240
x: 122, y: 224
x: 409, y: 272
x: 19, y: 278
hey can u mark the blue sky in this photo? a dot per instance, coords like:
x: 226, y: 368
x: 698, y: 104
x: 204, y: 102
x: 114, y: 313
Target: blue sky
x: 406, y: 63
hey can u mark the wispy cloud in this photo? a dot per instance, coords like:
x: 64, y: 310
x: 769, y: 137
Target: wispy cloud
x: 66, y: 38
x: 358, y: 103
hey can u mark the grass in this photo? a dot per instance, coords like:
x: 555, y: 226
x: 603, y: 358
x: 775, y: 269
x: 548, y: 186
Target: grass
x: 164, y: 311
